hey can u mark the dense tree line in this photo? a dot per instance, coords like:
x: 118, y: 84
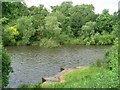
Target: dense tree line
x: 65, y: 24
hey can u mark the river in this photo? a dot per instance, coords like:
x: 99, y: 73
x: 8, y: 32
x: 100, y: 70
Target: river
x: 31, y: 63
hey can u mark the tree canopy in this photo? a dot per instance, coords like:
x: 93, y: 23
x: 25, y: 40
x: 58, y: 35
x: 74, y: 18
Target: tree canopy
x: 65, y: 24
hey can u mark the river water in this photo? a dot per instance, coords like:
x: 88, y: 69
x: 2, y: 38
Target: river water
x: 31, y: 63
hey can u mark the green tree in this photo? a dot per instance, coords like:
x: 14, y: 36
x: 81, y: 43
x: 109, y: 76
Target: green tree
x: 37, y: 15
x: 80, y: 14
x: 63, y: 8
x: 13, y: 10
x: 105, y: 11
x: 88, y: 29
x: 65, y: 22
x: 9, y: 34
x: 25, y: 29
x: 104, y: 23
x: 52, y: 28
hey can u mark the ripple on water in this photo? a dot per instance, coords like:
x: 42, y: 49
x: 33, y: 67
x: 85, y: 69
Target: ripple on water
x: 31, y: 63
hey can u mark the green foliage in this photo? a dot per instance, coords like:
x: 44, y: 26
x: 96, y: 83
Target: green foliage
x: 98, y: 63
x: 4, y: 20
x: 112, y: 57
x: 49, y: 43
x: 38, y: 14
x: 88, y: 29
x: 63, y: 8
x: 75, y: 41
x: 5, y: 66
x: 92, y: 77
x: 9, y: 35
x: 65, y: 24
x: 27, y: 86
x: 13, y: 10
x: 60, y: 16
x: 64, y: 38
x: 52, y: 27
x: 104, y: 38
x: 80, y: 14
x: 104, y: 23
x: 105, y: 11
x: 90, y: 36
x: 26, y: 30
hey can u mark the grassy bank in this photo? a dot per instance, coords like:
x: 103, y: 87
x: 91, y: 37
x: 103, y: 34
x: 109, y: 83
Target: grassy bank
x: 92, y: 77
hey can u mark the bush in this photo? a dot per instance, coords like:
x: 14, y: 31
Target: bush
x: 49, y: 43
x: 112, y: 57
x: 5, y: 67
x: 9, y: 35
x: 75, y: 41
x: 63, y: 38
x: 25, y: 29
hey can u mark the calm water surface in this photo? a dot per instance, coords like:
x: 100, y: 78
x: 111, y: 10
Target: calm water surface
x: 31, y: 63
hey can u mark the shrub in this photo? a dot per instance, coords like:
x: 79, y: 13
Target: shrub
x: 49, y: 43
x: 26, y: 30
x: 75, y: 41
x: 112, y: 57
x: 5, y: 67
x: 9, y: 35
x: 63, y: 38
